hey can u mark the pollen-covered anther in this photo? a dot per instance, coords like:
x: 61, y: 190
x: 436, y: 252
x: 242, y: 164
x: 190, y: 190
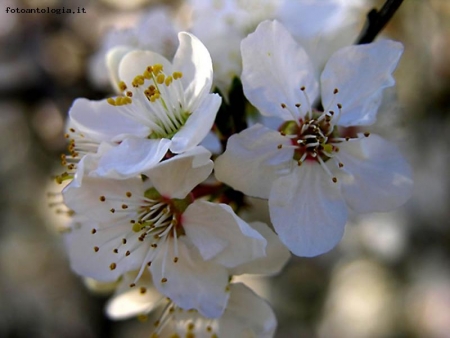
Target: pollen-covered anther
x: 127, y: 253
x: 334, y: 179
x: 96, y: 248
x: 164, y: 280
x: 190, y: 326
x: 302, y: 88
x: 124, y: 206
x: 283, y: 106
x: 128, y: 194
x: 341, y: 165
x: 119, y: 100
x: 366, y: 134
x: 335, y: 91
x: 102, y: 198
x: 93, y: 231
x: 113, y: 266
x: 175, y: 259
x: 112, y: 210
x: 132, y: 285
x: 177, y: 75
x: 160, y: 78
x: 116, y: 251
x: 142, y: 290
x: 279, y: 146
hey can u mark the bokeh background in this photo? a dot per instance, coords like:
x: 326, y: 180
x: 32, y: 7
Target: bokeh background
x: 390, y: 276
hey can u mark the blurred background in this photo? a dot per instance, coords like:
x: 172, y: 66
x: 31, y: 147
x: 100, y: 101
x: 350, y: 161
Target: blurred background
x: 389, y: 277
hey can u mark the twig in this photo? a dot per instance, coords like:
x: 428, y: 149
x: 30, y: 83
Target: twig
x: 376, y: 20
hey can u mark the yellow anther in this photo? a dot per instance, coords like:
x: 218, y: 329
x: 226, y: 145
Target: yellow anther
x: 157, y: 68
x: 122, y: 86
x: 177, y: 75
x: 113, y: 266
x: 168, y: 81
x: 160, y: 78
x: 138, y: 81
x: 147, y: 75
x: 137, y: 227
x: 190, y: 326
x: 328, y: 148
x: 111, y: 101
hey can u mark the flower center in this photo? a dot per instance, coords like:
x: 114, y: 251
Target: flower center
x: 311, y: 137
x: 315, y: 135
x: 159, y: 217
x: 156, y: 100
x: 154, y: 220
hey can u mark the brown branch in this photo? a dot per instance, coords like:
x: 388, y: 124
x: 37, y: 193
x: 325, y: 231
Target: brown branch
x: 376, y: 20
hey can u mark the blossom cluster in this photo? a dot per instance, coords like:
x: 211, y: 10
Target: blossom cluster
x: 149, y: 214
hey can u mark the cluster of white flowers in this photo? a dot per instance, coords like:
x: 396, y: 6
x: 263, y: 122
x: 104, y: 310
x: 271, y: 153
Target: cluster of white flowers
x: 149, y: 215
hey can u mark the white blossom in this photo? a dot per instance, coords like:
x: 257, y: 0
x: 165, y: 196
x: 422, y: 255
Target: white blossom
x: 188, y: 245
x: 315, y: 166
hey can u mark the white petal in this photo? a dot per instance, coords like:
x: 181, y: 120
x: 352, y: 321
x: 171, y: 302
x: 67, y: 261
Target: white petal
x: 176, y: 177
x: 275, y: 67
x: 113, y: 59
x: 85, y: 199
x: 307, y: 211
x: 193, y: 60
x: 132, y: 157
x: 136, y: 62
x: 197, y: 125
x: 360, y: 73
x: 88, y: 262
x: 219, y: 234
x: 247, y: 315
x: 103, y: 122
x: 381, y: 178
x: 277, y: 255
x: 252, y: 161
x: 191, y: 282
x: 129, y: 302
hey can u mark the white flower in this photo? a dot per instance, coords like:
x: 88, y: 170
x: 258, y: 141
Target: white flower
x: 168, y: 106
x: 154, y: 224
x: 315, y: 166
x: 157, y: 31
x: 246, y: 314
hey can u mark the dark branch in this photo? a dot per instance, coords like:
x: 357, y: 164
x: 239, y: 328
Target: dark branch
x: 376, y: 20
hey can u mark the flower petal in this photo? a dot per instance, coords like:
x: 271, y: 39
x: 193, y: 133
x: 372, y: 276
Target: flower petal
x: 176, y: 177
x: 197, y: 125
x: 277, y: 255
x: 247, y: 315
x: 86, y: 199
x: 132, y: 157
x: 360, y: 73
x: 129, y: 302
x: 307, y: 211
x: 191, y: 282
x: 381, y: 179
x: 103, y: 122
x: 113, y: 59
x: 193, y: 60
x: 92, y: 254
x: 275, y: 67
x: 253, y: 161
x: 219, y: 234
